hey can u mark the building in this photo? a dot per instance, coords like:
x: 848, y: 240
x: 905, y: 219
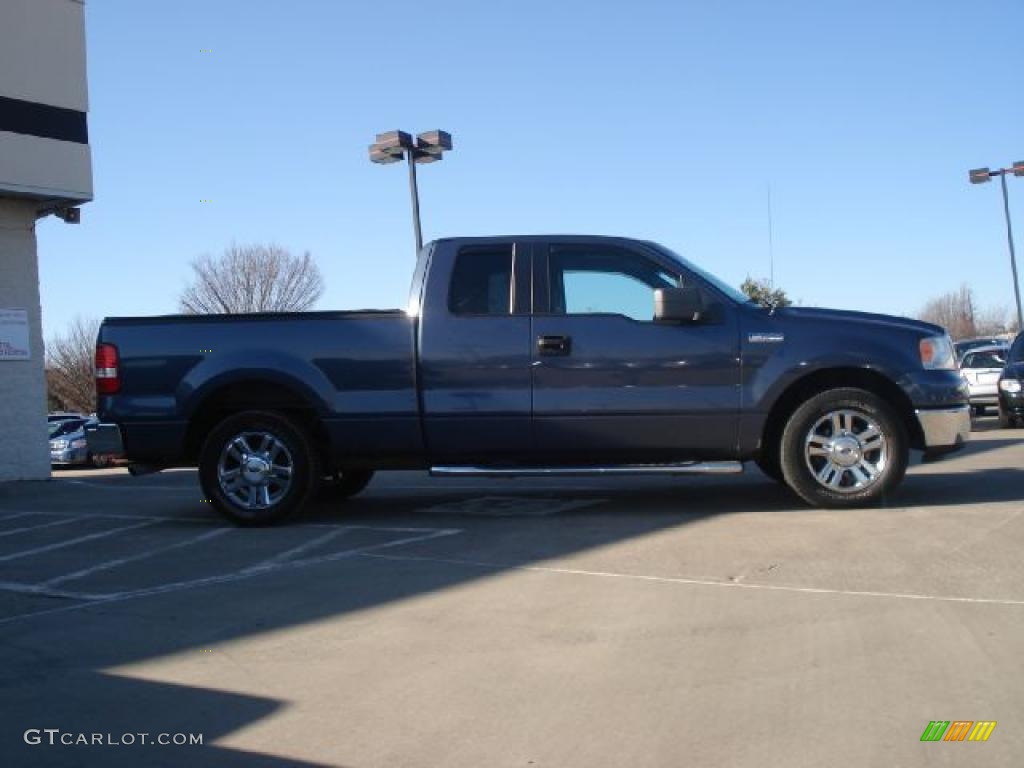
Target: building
x: 45, y: 168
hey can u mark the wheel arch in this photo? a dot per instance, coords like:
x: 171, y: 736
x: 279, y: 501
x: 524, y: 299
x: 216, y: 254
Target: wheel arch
x: 253, y: 394
x: 825, y: 379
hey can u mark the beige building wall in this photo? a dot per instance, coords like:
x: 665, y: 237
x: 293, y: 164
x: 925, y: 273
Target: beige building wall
x: 24, y: 451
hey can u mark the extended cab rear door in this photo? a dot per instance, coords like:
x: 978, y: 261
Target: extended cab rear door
x: 610, y: 384
x: 474, y: 352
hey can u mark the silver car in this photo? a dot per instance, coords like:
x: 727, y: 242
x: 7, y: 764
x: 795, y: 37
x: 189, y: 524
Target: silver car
x: 68, y: 443
x: 980, y: 368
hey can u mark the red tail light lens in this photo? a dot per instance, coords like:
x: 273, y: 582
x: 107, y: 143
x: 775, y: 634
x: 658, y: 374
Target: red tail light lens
x: 108, y: 376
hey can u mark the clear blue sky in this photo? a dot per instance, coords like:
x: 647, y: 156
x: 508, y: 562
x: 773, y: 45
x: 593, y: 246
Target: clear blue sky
x: 663, y: 120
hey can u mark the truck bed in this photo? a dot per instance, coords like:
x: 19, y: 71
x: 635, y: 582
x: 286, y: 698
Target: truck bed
x: 356, y: 368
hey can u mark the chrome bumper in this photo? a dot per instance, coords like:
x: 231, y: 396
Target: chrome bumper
x: 944, y: 428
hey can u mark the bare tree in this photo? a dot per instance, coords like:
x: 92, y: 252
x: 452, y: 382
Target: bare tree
x: 252, y: 278
x: 69, y: 366
x: 954, y: 311
x: 958, y: 312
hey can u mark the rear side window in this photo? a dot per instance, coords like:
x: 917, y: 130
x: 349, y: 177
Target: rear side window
x: 482, y: 282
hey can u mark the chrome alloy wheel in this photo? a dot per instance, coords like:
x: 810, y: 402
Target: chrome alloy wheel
x: 255, y: 470
x: 846, y: 451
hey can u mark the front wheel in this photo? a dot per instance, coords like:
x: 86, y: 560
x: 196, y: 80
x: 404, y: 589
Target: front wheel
x: 257, y: 467
x: 844, y: 448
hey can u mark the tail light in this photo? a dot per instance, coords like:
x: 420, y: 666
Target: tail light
x: 108, y: 376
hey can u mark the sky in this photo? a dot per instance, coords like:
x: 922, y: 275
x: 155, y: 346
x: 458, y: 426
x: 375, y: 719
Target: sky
x: 660, y: 120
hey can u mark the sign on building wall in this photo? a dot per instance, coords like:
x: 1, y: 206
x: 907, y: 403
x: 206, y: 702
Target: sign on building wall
x: 14, y: 334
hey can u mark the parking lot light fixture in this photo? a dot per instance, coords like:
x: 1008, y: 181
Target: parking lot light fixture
x: 428, y: 147
x: 983, y: 175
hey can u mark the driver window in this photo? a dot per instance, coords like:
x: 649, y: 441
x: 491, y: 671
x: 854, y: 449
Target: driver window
x: 601, y: 280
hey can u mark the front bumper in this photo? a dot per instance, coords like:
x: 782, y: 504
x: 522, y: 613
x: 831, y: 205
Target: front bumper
x: 1012, y: 403
x: 944, y: 429
x: 69, y: 456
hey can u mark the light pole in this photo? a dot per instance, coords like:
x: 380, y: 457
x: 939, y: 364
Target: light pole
x: 983, y: 175
x: 428, y: 147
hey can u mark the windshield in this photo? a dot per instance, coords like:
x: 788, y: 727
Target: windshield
x: 61, y: 428
x: 733, y: 293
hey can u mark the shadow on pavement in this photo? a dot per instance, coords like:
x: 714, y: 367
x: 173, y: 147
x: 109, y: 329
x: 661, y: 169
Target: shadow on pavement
x: 56, y: 667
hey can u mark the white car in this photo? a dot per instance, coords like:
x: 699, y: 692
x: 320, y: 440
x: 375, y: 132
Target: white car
x: 980, y: 368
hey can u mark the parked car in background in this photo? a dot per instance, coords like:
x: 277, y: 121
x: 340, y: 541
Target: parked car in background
x: 1011, y: 384
x: 68, y: 443
x: 64, y: 416
x: 981, y: 368
x: 966, y: 345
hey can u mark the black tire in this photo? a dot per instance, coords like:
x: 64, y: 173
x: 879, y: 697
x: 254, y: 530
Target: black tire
x: 862, y: 410
x: 1006, y: 421
x: 768, y: 463
x: 292, y: 448
x: 346, y: 483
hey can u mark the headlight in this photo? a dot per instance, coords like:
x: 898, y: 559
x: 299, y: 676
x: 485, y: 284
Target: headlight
x: 79, y: 443
x: 58, y: 445
x: 1010, y: 385
x: 937, y: 353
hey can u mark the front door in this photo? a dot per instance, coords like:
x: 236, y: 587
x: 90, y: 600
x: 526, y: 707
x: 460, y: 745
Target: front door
x: 609, y: 383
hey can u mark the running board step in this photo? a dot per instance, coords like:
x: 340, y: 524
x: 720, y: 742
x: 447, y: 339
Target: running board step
x: 691, y: 468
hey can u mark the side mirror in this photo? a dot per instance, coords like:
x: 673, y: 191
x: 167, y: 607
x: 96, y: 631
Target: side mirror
x: 678, y: 305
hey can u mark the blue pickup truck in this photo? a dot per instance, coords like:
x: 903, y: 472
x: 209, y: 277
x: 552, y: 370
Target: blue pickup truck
x: 532, y: 356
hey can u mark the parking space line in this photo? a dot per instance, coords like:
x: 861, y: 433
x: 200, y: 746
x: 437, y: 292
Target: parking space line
x: 40, y: 589
x: 109, y: 564
x: 17, y: 515
x: 268, y: 567
x: 72, y: 542
x: 287, y: 555
x: 50, y: 524
x: 133, y: 489
x: 422, y: 534
x: 695, y: 582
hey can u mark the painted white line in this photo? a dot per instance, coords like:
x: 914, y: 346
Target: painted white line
x: 698, y: 582
x: 50, y: 524
x: 132, y: 489
x: 19, y: 514
x: 39, y: 589
x: 268, y: 567
x: 508, y: 506
x: 72, y: 542
x: 109, y: 564
x: 282, y: 557
x: 426, y: 534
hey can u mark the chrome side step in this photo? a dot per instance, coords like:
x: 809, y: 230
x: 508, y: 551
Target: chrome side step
x: 690, y: 468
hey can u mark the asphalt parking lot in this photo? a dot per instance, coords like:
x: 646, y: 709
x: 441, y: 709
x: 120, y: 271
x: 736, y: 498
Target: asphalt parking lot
x: 663, y: 622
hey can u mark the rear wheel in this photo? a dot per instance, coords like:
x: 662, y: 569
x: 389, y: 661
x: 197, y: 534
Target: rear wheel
x: 844, y: 448
x: 257, y: 467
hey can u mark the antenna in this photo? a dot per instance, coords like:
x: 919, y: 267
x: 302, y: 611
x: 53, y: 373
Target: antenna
x: 771, y: 244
